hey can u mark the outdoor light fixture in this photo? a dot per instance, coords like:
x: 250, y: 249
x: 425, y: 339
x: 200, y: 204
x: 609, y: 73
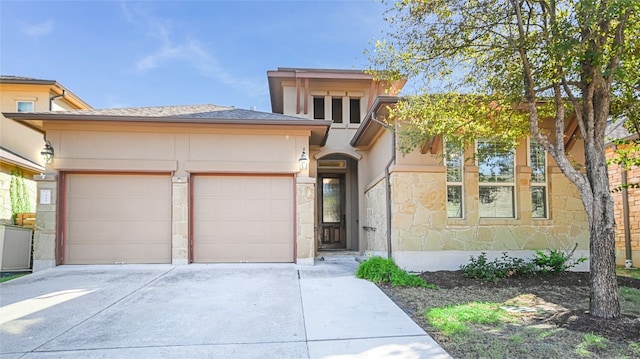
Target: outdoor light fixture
x: 47, y: 153
x: 304, y: 160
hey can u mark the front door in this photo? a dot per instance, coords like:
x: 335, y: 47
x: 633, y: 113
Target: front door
x: 332, y: 212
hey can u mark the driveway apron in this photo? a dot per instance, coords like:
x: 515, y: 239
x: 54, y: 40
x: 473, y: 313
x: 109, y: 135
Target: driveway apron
x: 205, y: 311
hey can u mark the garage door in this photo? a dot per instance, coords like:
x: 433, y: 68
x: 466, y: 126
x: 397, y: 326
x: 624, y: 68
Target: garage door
x: 112, y: 218
x: 243, y: 219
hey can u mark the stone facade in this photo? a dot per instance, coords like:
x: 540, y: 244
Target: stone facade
x: 423, y: 238
x: 305, y: 220
x: 615, y: 179
x: 376, y: 217
x: 180, y: 220
x: 44, y: 237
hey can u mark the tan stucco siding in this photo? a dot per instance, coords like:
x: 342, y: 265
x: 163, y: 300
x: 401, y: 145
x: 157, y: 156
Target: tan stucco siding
x: 145, y: 148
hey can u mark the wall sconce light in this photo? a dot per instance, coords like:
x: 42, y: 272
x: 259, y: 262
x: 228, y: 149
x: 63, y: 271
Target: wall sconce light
x: 47, y: 153
x: 304, y: 160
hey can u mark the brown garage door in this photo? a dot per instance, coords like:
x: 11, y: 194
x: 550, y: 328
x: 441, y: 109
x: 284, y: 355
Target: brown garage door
x: 243, y: 219
x: 114, y: 218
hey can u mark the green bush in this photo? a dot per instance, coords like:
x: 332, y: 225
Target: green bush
x: 381, y: 270
x: 499, y: 268
x: 554, y: 261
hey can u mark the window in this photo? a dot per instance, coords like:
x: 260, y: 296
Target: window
x: 318, y: 108
x: 354, y: 110
x: 496, y: 172
x: 25, y: 106
x: 453, y: 161
x: 538, y: 164
x: 336, y: 109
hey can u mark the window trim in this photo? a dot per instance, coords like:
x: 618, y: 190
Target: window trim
x: 512, y: 185
x: 454, y: 184
x: 544, y: 184
x: 33, y: 105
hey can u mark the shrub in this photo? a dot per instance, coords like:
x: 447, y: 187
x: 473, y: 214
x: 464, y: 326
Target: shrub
x: 380, y: 270
x: 499, y: 268
x: 555, y: 261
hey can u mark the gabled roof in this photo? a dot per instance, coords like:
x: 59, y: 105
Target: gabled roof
x: 56, y: 87
x: 615, y: 130
x: 194, y: 114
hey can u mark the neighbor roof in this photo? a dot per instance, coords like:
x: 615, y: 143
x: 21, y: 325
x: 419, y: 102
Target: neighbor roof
x: 200, y: 114
x: 56, y: 87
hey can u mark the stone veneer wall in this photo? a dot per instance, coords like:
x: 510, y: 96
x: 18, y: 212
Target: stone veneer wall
x: 423, y: 238
x: 180, y: 220
x: 375, y: 227
x: 44, y: 236
x: 305, y: 220
x: 615, y: 179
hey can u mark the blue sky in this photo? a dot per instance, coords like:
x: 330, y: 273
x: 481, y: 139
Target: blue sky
x: 155, y: 53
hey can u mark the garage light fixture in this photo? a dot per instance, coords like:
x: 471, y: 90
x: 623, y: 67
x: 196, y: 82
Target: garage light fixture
x: 47, y: 153
x: 304, y: 160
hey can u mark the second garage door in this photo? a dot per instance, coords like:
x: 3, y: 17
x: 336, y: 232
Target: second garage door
x: 243, y: 219
x: 114, y: 218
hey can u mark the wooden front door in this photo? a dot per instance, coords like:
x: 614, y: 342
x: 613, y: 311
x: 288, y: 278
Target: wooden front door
x: 332, y: 212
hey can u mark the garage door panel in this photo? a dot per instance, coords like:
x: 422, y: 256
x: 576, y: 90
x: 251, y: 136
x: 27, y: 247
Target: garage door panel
x: 117, y: 218
x: 243, y: 219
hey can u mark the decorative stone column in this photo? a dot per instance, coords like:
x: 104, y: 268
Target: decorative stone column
x: 44, y: 237
x: 305, y: 220
x: 179, y: 220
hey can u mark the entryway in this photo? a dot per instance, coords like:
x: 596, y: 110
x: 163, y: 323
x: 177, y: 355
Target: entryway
x: 337, y: 203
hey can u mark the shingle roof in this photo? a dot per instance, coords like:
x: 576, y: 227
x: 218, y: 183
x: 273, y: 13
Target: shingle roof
x: 22, y: 79
x: 205, y: 111
x: 615, y: 130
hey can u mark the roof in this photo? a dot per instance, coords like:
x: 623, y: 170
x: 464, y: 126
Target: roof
x: 370, y: 127
x: 11, y: 79
x: 56, y: 87
x: 195, y: 114
x: 15, y: 159
x: 615, y: 130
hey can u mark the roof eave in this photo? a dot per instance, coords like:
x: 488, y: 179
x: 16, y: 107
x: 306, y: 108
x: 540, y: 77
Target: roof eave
x: 370, y: 126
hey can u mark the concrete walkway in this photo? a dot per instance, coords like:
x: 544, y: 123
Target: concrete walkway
x: 205, y: 311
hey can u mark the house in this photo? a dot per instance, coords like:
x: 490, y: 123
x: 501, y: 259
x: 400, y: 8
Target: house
x: 20, y: 145
x: 626, y: 200
x: 206, y: 183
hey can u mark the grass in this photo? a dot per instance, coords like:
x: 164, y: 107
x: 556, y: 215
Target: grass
x: 384, y: 270
x: 633, y: 273
x: 8, y: 278
x: 454, y: 320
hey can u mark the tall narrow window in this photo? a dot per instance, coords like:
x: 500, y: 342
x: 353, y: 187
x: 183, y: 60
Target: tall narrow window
x: 336, y: 109
x: 453, y: 161
x: 25, y: 106
x: 496, y: 175
x: 538, y: 164
x: 354, y: 110
x: 318, y: 108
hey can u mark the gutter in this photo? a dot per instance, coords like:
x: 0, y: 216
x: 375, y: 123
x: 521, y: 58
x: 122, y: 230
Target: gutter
x: 387, y: 177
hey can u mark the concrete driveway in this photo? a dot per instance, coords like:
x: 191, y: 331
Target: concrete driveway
x: 205, y: 311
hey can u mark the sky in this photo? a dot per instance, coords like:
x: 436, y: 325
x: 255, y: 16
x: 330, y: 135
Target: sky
x: 159, y: 53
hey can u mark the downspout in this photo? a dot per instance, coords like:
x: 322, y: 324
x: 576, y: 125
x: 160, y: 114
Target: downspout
x: 64, y: 92
x: 628, y: 263
x: 387, y: 177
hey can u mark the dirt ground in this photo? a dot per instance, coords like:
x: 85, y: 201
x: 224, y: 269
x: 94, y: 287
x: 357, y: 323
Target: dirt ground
x: 560, y: 301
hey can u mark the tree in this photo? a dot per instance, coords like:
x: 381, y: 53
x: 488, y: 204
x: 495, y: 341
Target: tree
x: 498, y: 68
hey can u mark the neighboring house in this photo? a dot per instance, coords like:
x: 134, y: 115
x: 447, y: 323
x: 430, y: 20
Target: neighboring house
x: 20, y: 145
x: 205, y: 183
x: 626, y: 202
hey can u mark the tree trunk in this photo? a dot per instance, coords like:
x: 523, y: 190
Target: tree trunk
x: 604, y: 302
